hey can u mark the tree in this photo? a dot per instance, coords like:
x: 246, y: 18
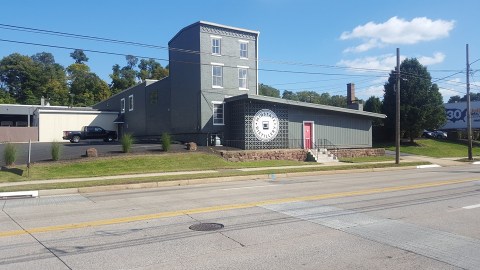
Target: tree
x: 27, y: 79
x: 52, y: 79
x: 131, y: 61
x: 79, y: 56
x: 338, y: 101
x: 289, y: 95
x: 151, y: 69
x: 473, y: 97
x: 421, y: 102
x: 374, y: 104
x: 18, y: 76
x: 123, y: 78
x: 85, y: 86
x: 266, y: 90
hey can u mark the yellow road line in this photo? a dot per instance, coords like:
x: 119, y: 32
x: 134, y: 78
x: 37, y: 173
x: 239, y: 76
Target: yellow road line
x: 229, y: 207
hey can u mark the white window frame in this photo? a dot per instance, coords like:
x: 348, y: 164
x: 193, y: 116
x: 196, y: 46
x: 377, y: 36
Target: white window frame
x: 240, y: 72
x: 215, y: 46
x: 216, y: 103
x: 122, y: 105
x: 130, y: 103
x: 243, y: 42
x: 215, y: 82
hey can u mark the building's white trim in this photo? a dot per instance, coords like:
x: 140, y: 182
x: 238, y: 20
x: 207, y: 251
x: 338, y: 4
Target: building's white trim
x: 223, y: 113
x: 76, y: 112
x: 243, y: 41
x: 243, y: 67
x: 256, y: 61
x: 217, y: 64
x: 213, y: 36
x: 122, y: 104
x: 216, y: 86
x: 133, y: 101
x: 312, y: 132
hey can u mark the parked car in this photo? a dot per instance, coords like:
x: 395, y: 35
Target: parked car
x: 427, y: 134
x: 438, y: 134
x: 90, y: 132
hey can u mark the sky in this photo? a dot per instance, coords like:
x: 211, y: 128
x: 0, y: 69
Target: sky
x: 303, y: 45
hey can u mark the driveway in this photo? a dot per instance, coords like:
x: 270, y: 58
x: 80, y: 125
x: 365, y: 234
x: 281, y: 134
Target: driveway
x: 41, y: 151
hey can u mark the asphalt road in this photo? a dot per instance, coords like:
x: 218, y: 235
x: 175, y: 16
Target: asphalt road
x: 412, y: 219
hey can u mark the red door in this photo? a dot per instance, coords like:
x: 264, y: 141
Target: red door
x: 307, y: 135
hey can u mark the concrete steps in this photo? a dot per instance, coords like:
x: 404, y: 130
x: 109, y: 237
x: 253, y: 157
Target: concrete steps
x: 321, y: 155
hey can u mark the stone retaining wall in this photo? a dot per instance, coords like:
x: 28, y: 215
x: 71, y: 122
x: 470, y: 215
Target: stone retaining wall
x: 351, y: 153
x: 295, y: 154
x: 279, y: 154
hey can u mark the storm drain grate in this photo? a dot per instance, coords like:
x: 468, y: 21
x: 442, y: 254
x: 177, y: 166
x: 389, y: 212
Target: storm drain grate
x: 206, y: 227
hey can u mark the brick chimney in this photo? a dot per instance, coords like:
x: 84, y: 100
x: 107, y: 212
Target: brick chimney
x: 352, y: 102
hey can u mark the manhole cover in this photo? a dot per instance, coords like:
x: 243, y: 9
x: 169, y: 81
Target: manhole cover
x: 206, y: 227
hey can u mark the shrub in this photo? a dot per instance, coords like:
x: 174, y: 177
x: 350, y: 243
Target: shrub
x: 127, y: 141
x: 166, y: 142
x: 10, y: 154
x: 56, y: 150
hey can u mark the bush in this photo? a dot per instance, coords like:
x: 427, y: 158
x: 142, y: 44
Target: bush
x: 166, y: 142
x: 56, y: 150
x: 10, y: 154
x: 127, y: 141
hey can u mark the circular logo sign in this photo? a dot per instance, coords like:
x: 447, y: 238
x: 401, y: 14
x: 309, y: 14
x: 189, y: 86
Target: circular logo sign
x: 265, y: 125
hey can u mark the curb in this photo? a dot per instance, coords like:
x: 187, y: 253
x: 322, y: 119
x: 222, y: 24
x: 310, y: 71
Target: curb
x: 51, y: 192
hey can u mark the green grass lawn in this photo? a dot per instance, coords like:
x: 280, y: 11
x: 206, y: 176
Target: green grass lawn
x: 435, y: 148
x: 132, y: 165
x: 367, y: 159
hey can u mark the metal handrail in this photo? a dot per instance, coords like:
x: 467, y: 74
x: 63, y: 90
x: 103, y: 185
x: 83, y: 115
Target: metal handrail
x: 326, y: 144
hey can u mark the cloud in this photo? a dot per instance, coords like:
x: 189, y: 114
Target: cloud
x: 397, y: 31
x: 387, y: 62
x: 382, y: 62
x: 427, y: 61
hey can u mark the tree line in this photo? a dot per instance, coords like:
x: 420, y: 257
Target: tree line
x: 25, y: 79
x: 421, y: 101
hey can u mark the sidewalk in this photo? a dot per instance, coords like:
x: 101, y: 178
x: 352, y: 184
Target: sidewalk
x: 444, y: 162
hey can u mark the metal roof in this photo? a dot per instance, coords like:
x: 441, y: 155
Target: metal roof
x: 305, y: 105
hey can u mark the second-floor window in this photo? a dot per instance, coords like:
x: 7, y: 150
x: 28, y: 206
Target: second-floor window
x: 216, y: 46
x: 242, y: 78
x: 217, y: 76
x: 122, y: 105
x: 130, y: 103
x: 243, y: 49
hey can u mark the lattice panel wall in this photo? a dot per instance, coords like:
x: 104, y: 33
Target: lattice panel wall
x: 280, y: 141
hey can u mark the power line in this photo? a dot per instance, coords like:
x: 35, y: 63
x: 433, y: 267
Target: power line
x: 131, y: 43
x: 186, y: 62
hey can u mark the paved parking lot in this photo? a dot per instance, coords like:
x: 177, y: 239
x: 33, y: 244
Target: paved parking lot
x: 42, y: 151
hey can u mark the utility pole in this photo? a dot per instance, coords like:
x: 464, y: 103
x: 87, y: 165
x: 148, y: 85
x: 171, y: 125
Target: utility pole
x: 397, y: 112
x: 469, y: 114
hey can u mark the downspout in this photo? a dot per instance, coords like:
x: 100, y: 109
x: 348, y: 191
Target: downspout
x: 256, y: 60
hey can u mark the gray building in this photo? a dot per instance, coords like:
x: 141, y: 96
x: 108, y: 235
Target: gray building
x: 212, y: 90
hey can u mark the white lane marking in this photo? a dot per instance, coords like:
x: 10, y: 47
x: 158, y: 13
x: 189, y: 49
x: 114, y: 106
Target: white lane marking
x: 471, y: 206
x: 248, y: 187
x: 428, y: 166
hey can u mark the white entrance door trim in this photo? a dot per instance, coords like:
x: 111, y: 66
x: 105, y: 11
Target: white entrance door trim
x: 312, y: 132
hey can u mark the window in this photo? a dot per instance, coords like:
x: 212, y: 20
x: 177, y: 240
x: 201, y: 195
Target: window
x: 243, y: 49
x: 153, y: 97
x: 242, y: 78
x: 217, y: 113
x: 130, y: 103
x: 216, y: 46
x: 122, y: 105
x: 217, y: 76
